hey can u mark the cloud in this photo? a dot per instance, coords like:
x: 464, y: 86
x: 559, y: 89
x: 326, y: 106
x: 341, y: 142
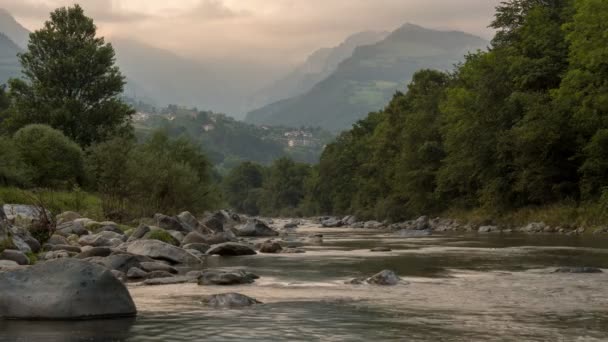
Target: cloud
x: 213, y: 9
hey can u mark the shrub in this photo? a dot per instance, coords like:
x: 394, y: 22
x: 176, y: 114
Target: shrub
x: 53, y: 159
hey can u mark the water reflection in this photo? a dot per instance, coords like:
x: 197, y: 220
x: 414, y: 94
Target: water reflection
x: 62, y: 331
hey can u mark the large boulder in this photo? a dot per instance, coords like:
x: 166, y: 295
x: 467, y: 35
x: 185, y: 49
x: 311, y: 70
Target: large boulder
x: 332, y: 223
x: 139, y: 232
x: 14, y: 255
x: 163, y: 251
x: 271, y: 247
x: 255, y: 228
x: 231, y: 249
x: 63, y: 289
x: 229, y: 300
x: 171, y: 223
x: 23, y: 240
x: 224, y: 278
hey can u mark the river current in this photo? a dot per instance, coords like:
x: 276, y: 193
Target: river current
x: 457, y: 287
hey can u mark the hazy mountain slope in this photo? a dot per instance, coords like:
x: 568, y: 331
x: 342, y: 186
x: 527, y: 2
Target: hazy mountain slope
x: 366, y: 81
x: 12, y: 29
x: 9, y: 64
x: 316, y: 68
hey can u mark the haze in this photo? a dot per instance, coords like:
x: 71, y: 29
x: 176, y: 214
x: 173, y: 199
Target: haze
x: 271, y: 33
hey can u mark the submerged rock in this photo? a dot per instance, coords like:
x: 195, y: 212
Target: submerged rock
x: 229, y: 300
x: 212, y: 277
x: 380, y: 249
x: 385, y: 278
x: 63, y: 289
x: 271, y: 247
x: 255, y: 228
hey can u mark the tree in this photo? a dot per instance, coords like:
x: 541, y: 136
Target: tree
x: 13, y: 170
x: 52, y: 158
x: 70, y: 81
x: 242, y: 186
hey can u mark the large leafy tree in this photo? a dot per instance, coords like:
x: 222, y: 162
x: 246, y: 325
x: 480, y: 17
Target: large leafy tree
x: 70, y: 81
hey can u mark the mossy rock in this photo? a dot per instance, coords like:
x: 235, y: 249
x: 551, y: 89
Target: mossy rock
x: 162, y: 235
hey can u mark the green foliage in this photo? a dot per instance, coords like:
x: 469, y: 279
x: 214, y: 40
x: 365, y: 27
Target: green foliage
x: 88, y: 205
x: 164, y: 236
x: 13, y: 169
x: 239, y: 187
x: 70, y: 81
x: 52, y: 159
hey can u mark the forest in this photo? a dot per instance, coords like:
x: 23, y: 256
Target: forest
x: 521, y: 126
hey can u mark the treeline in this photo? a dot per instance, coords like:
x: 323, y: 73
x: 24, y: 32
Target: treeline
x: 64, y: 126
x: 523, y: 124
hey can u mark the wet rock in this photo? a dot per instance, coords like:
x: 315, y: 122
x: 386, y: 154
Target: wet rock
x: 255, y: 228
x: 229, y: 300
x: 380, y: 249
x: 201, y: 247
x: 169, y: 281
x: 63, y: 289
x: 157, y: 266
x: 230, y: 249
x: 223, y: 278
x: 315, y: 239
x: 163, y: 251
x: 14, y: 255
x: 422, y: 223
x: 292, y: 250
x: 384, y: 278
x: 271, y: 247
x: 578, y: 270
x: 136, y: 273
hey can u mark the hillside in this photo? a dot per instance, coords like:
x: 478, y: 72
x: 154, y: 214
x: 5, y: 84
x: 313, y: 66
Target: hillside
x: 227, y: 141
x: 316, y: 68
x: 9, y: 64
x: 367, y: 80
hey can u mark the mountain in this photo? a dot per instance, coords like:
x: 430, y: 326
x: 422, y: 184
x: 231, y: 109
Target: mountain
x: 366, y: 81
x: 316, y: 68
x: 12, y: 29
x: 9, y: 63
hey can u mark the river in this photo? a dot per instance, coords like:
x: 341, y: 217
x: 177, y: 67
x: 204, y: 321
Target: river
x: 457, y: 287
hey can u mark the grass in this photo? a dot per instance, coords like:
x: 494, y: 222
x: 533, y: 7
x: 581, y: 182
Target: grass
x: 88, y: 205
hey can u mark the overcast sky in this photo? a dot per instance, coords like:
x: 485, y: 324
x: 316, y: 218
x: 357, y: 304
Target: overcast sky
x: 274, y: 31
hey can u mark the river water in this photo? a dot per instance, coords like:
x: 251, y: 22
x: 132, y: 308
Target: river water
x: 456, y: 288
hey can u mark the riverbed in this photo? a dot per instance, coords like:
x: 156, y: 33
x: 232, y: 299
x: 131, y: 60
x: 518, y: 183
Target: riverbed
x: 456, y: 287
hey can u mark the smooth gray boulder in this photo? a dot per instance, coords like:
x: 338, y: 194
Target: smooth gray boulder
x: 63, y: 289
x: 225, y: 278
x: 157, y: 266
x: 271, y: 247
x: 163, y: 251
x: 231, y: 249
x: 229, y: 300
x: 14, y: 255
x: 194, y: 237
x: 201, y: 247
x: 56, y: 239
x: 139, y: 232
x: 171, y: 223
x: 136, y: 273
x: 332, y: 223
x: 255, y: 228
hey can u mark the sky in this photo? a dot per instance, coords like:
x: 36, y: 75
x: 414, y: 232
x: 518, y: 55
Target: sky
x: 277, y: 32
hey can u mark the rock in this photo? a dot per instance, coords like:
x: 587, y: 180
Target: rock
x: 67, y: 216
x: 373, y: 225
x: 8, y: 265
x: 122, y: 262
x: 201, y: 247
x: 489, y: 229
x: 332, y: 223
x: 578, y: 270
x: 187, y: 219
x: 136, y: 273
x: 414, y: 233
x: 255, y: 228
x: 110, y: 235
x: 194, y: 237
x: 170, y: 281
x: 385, y: 278
x: 211, y: 277
x: 94, y: 252
x: 163, y: 251
x: 381, y: 249
x: 178, y: 236
x: 215, y: 222
x: 63, y: 289
x: 218, y: 238
x: 534, y: 227
x: 67, y: 248
x: 119, y: 275
x: 293, y: 251
x: 422, y: 223
x: 291, y: 225
x: 55, y: 255
x: 95, y: 241
x: 23, y: 214
x: 157, y: 266
x: 315, y: 239
x: 230, y: 249
x: 110, y: 227
x: 139, y: 233
x: 14, y: 255
x: 171, y: 223
x: 23, y: 239
x: 349, y: 220
x: 271, y: 247
x: 159, y: 274
x: 57, y: 240
x: 229, y: 300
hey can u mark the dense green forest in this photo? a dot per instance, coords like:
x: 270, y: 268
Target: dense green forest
x: 522, y: 126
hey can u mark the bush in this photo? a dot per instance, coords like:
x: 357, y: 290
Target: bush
x: 13, y: 170
x: 53, y: 159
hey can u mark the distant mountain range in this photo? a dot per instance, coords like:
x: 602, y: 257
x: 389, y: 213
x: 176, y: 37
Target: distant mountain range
x: 12, y: 29
x: 9, y: 64
x: 317, y: 67
x: 367, y: 80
